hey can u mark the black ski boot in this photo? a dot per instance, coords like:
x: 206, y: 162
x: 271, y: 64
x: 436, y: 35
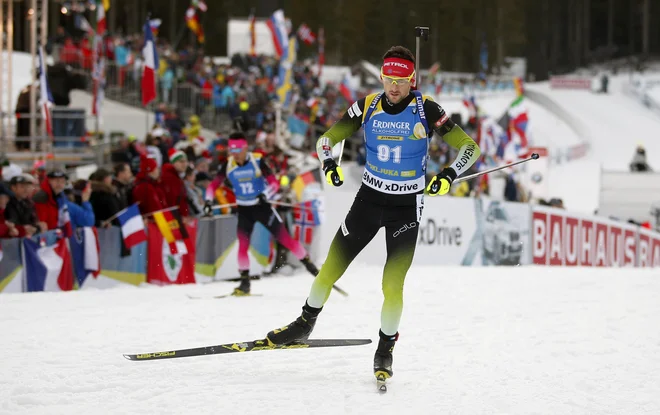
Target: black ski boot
x: 298, y: 330
x: 309, y: 265
x: 244, y: 286
x: 383, y: 356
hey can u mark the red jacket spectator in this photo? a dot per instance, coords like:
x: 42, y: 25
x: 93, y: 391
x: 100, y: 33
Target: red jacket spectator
x: 147, y: 191
x: 44, y: 200
x: 172, y: 183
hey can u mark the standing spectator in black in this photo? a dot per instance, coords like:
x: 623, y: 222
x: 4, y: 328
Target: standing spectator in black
x: 104, y: 198
x: 123, y: 182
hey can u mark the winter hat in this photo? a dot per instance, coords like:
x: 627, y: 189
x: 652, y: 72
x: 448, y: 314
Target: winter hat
x: 176, y: 155
x: 148, y: 164
x: 237, y: 143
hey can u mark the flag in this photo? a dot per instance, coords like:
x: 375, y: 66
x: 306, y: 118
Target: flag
x: 166, y: 267
x: 305, y: 218
x: 83, y: 24
x: 303, y: 180
x: 321, y: 50
x: 518, y: 124
x: 85, y: 252
x: 150, y: 66
x: 63, y: 218
x: 253, y: 37
x: 518, y: 85
x: 132, y: 226
x: 101, y: 25
x: 169, y: 224
x: 347, y: 91
x: 193, y: 23
x: 278, y: 31
x: 45, y: 97
x: 155, y: 24
x: 47, y: 268
x: 200, y: 4
x: 98, y: 76
x: 284, y: 87
x: 306, y: 35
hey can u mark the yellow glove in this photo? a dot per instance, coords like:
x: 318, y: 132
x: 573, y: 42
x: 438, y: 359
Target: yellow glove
x: 441, y: 183
x: 333, y: 173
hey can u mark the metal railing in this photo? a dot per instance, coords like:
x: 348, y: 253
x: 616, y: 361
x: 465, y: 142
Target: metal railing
x: 124, y: 84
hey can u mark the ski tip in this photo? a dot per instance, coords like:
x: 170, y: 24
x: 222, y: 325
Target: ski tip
x: 129, y: 357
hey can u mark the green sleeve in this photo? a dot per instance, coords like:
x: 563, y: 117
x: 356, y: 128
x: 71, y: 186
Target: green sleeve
x: 468, y: 150
x: 349, y: 123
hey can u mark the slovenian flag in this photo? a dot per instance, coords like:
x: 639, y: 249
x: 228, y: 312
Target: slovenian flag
x: 150, y: 66
x: 47, y: 268
x: 277, y: 26
x: 132, y: 226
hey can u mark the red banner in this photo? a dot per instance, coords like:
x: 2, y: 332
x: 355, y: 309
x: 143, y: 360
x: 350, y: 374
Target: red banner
x: 163, y: 267
x: 562, y: 238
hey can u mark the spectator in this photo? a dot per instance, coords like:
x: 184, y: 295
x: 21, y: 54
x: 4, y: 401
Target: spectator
x: 147, y: 191
x: 20, y: 209
x: 638, y: 163
x: 8, y: 229
x: 123, y: 181
x: 104, y: 197
x: 194, y: 194
x: 202, y: 181
x: 172, y: 184
x: 126, y: 151
x: 81, y: 212
x: 48, y: 200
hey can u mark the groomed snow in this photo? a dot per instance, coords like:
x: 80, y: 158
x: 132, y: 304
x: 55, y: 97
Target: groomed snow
x: 521, y: 340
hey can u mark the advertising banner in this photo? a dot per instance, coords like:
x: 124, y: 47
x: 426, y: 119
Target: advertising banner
x: 564, y: 238
x: 467, y: 231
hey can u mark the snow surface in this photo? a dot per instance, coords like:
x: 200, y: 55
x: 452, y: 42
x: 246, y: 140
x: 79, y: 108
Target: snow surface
x: 473, y: 341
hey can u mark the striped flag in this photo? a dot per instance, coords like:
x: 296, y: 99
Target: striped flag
x: 132, y: 226
x: 169, y: 224
x: 306, y: 35
x: 101, y: 24
x: 277, y: 26
x: 150, y: 66
x: 321, y: 50
x: 45, y: 97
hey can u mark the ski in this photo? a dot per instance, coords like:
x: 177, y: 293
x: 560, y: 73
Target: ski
x: 250, y: 346
x: 380, y: 383
x: 236, y: 279
x: 223, y: 296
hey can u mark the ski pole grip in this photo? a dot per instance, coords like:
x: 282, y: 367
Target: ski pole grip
x: 435, y: 187
x: 335, y: 179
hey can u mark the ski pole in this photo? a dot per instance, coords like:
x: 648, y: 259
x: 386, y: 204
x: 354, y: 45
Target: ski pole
x: 420, y: 32
x: 534, y: 156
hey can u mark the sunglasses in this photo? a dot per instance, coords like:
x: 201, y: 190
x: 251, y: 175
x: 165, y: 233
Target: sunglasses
x: 397, y: 80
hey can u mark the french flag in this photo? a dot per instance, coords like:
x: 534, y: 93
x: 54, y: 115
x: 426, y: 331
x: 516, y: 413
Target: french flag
x: 85, y: 251
x: 150, y: 66
x: 277, y: 26
x: 47, y: 268
x: 45, y: 97
x: 132, y: 226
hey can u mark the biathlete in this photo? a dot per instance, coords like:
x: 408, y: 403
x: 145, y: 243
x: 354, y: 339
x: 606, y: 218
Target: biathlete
x: 254, y: 185
x: 398, y: 125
